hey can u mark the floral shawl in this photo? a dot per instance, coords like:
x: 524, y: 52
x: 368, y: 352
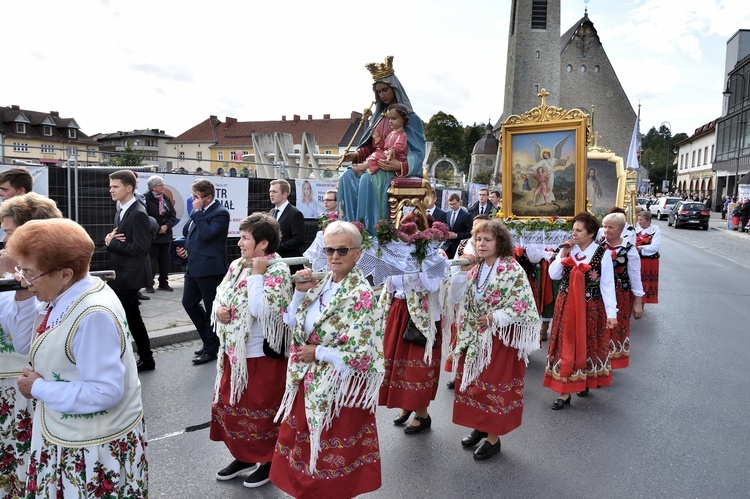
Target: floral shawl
x: 515, y: 320
x: 232, y: 293
x: 418, y: 306
x: 351, y: 324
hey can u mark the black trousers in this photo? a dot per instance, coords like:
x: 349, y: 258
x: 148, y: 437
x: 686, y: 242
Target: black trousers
x: 159, y: 254
x: 195, y: 291
x: 129, y: 300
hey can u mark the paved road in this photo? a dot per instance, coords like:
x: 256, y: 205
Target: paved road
x: 674, y: 424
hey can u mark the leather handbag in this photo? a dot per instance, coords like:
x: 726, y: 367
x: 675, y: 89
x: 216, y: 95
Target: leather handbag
x: 413, y: 335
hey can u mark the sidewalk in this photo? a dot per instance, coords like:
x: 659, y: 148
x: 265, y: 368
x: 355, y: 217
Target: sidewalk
x: 716, y: 223
x: 166, y: 321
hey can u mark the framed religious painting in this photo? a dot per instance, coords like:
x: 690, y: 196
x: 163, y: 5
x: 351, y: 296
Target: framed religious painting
x: 543, y: 162
x: 606, y: 182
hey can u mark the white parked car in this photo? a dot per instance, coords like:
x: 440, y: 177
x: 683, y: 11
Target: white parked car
x: 662, y: 206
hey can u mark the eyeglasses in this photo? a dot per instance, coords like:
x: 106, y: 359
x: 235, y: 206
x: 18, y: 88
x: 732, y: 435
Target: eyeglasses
x: 29, y: 281
x: 327, y: 200
x: 341, y: 251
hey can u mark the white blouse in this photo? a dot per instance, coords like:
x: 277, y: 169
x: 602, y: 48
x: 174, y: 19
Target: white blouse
x: 254, y: 344
x: 653, y: 248
x: 606, y: 280
x: 96, y: 347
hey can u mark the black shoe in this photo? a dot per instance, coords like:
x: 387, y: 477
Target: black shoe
x: 424, y: 424
x: 145, y: 365
x: 486, y: 451
x: 561, y: 403
x: 234, y: 469
x: 473, y: 438
x: 204, y: 358
x: 198, y: 353
x: 258, y: 477
x: 584, y: 393
x: 165, y: 287
x: 141, y: 296
x: 150, y: 290
x: 451, y: 384
x: 401, y: 418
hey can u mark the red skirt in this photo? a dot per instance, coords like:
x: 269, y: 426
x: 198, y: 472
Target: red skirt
x: 620, y: 356
x: 598, y: 348
x: 247, y: 427
x: 349, y: 459
x: 494, y: 401
x: 410, y: 383
x: 650, y: 279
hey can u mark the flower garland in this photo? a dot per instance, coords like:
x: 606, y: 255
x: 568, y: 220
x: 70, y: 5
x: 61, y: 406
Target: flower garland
x: 534, y: 224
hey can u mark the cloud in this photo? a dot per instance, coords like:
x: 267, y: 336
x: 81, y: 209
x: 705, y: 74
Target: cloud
x: 168, y: 72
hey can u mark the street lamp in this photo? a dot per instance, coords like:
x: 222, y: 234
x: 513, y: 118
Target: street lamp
x: 669, y: 138
x: 740, y: 133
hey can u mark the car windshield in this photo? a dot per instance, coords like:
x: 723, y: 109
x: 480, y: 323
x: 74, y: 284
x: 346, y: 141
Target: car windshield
x: 670, y: 201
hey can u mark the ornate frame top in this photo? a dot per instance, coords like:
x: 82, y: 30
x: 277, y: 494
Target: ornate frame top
x: 544, y: 113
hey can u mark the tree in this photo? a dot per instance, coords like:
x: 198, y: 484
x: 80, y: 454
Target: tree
x: 658, y: 156
x: 128, y: 157
x: 472, y: 134
x: 446, y: 134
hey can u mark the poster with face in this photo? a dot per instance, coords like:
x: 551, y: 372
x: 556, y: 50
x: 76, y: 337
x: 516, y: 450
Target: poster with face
x: 310, y: 195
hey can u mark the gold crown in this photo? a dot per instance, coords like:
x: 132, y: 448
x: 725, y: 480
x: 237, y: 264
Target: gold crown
x: 381, y: 70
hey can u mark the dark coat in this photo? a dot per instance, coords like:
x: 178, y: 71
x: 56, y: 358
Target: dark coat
x: 130, y: 259
x: 169, y: 218
x: 440, y: 216
x: 206, y: 241
x: 462, y: 227
x: 474, y: 209
x: 292, y: 224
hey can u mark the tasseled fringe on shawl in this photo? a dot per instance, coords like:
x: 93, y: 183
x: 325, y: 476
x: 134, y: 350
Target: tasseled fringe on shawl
x: 349, y: 389
x: 522, y: 336
x: 274, y: 331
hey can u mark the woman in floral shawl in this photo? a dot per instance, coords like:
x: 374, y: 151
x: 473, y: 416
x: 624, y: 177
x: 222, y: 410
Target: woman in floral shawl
x: 328, y: 442
x: 412, y: 370
x: 250, y: 374
x: 498, y: 328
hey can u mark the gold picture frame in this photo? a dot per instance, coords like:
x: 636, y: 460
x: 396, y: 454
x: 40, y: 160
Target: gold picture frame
x: 609, y: 185
x: 543, y: 162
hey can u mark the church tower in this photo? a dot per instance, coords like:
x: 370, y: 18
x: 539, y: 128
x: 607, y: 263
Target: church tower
x: 533, y: 56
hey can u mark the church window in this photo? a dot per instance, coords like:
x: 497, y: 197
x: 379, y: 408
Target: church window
x: 596, y: 69
x: 569, y: 68
x: 583, y: 68
x: 539, y: 14
x: 538, y: 54
x: 513, y: 18
x: 536, y: 89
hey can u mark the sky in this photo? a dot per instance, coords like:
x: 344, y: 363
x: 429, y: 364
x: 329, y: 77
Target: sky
x: 134, y: 64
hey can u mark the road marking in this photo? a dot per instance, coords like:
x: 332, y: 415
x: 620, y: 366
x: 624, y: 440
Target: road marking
x: 189, y: 429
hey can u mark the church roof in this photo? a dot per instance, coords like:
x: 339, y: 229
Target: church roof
x: 486, y: 145
x: 568, y: 36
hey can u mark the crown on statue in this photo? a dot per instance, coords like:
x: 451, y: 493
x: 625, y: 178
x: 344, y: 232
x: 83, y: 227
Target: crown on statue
x: 381, y: 70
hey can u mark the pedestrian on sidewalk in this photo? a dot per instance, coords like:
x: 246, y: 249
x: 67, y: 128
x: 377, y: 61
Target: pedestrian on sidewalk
x: 129, y: 244
x: 206, y: 263
x: 159, y: 206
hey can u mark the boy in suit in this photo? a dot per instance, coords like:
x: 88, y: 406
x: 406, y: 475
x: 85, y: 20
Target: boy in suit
x: 129, y: 245
x: 459, y: 224
x: 206, y: 259
x: 290, y: 219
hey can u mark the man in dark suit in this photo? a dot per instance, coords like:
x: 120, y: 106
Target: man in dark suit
x: 205, y: 254
x: 129, y: 244
x: 290, y: 219
x: 459, y: 224
x: 483, y: 205
x: 437, y: 214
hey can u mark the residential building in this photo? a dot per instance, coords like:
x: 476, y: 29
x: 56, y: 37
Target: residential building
x: 39, y: 138
x: 695, y: 174
x: 150, y: 143
x: 732, y: 160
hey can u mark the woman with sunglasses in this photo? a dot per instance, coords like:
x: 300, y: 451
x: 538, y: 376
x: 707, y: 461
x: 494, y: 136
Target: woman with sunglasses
x: 16, y: 309
x: 88, y: 438
x: 334, y: 373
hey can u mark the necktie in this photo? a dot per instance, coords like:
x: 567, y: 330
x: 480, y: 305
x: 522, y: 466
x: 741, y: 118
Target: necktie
x: 276, y: 213
x: 117, y: 217
x: 481, y: 210
x: 43, y: 326
x: 453, y: 219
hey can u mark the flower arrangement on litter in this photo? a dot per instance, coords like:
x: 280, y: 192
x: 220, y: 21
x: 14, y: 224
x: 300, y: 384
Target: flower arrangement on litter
x: 409, y: 233
x: 534, y: 224
x: 326, y: 219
